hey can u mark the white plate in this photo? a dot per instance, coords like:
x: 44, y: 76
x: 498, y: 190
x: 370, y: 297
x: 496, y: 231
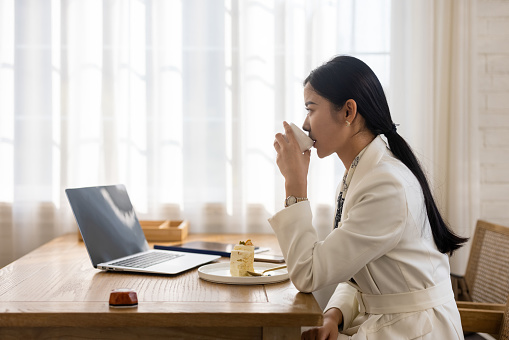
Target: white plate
x: 220, y: 273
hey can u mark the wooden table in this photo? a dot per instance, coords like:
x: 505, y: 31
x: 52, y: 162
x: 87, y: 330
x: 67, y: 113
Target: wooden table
x: 54, y: 292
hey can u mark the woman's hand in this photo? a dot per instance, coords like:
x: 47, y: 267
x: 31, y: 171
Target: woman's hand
x: 292, y: 163
x: 329, y: 331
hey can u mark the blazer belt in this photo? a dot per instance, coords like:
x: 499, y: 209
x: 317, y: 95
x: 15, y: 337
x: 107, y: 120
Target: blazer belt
x: 406, y: 302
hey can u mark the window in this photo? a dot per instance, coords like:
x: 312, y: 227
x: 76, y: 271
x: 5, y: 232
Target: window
x: 178, y: 100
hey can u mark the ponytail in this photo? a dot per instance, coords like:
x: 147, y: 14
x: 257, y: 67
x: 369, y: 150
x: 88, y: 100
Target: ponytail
x: 445, y: 240
x: 346, y: 77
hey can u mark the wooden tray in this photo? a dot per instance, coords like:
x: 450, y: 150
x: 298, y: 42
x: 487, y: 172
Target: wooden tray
x: 167, y: 230
x: 163, y: 230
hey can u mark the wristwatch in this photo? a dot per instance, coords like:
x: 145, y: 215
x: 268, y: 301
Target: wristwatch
x: 292, y: 200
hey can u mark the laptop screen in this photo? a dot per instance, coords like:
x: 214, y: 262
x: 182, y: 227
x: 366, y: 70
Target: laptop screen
x: 107, y: 222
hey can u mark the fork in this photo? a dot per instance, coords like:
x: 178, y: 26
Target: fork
x: 266, y: 270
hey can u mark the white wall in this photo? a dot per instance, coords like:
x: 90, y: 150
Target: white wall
x: 493, y: 57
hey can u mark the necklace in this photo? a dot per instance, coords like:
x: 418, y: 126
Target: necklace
x: 347, y: 178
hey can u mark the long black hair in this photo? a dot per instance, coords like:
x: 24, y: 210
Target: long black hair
x: 346, y: 77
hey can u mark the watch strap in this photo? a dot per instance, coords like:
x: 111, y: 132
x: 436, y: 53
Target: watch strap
x: 292, y: 200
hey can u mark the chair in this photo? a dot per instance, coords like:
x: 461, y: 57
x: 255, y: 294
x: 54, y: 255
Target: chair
x: 504, y: 330
x: 485, y: 286
x: 485, y: 318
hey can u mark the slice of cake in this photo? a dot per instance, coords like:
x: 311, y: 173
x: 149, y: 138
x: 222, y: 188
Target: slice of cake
x: 242, y: 259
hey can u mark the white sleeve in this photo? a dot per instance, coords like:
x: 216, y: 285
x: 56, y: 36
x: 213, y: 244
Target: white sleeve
x: 344, y: 299
x: 373, y: 226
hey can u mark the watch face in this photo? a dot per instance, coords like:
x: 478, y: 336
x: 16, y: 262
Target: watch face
x: 291, y: 200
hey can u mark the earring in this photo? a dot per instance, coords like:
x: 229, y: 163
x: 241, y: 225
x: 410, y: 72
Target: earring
x: 347, y: 123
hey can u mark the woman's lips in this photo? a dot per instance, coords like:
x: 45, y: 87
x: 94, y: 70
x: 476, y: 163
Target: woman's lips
x: 314, y: 140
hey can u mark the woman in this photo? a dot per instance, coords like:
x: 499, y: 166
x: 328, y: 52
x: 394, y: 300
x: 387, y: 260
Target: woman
x: 389, y: 248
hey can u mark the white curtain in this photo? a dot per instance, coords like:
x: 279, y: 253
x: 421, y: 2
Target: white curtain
x: 433, y: 97
x: 178, y: 100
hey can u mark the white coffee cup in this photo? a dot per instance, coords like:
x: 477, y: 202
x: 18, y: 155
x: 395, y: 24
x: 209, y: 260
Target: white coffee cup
x: 305, y: 143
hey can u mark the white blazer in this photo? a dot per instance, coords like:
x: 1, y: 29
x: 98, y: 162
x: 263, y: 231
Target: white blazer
x: 384, y: 242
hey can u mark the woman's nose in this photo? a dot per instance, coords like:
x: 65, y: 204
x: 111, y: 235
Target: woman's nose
x: 306, y: 126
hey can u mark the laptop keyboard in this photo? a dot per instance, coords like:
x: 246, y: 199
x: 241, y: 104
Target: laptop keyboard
x: 146, y: 260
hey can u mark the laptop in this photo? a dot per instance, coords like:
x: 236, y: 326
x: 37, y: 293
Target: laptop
x: 114, y: 238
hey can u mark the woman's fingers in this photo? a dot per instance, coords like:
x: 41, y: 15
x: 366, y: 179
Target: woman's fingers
x: 288, y: 138
x: 310, y: 334
x: 278, y: 141
x: 292, y: 163
x: 276, y: 146
x: 280, y: 138
x: 289, y: 132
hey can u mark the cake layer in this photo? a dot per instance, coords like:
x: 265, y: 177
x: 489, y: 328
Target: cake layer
x: 241, y: 260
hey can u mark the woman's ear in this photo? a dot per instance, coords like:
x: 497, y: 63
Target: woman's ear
x: 351, y: 110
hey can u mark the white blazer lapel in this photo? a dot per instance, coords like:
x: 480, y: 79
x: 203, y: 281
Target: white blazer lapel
x: 374, y: 152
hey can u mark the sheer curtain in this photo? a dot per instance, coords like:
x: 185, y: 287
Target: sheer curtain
x: 178, y: 100
x: 433, y: 97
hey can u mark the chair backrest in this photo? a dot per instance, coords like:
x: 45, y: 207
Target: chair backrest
x: 487, y: 273
x: 504, y: 329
